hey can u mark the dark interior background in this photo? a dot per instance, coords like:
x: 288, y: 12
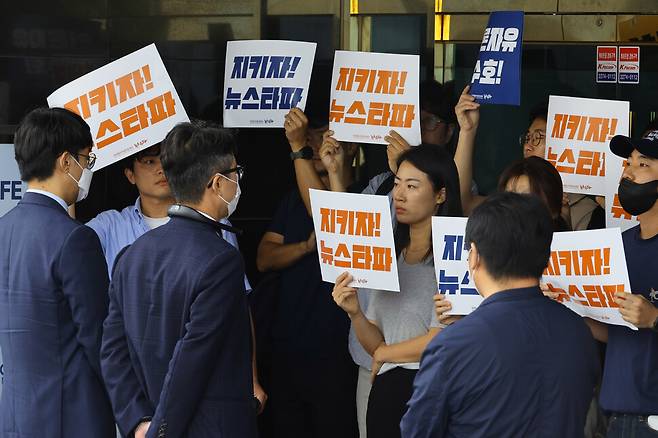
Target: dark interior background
x: 46, y: 44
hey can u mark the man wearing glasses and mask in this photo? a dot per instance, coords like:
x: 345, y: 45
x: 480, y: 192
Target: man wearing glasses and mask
x: 53, y: 289
x: 118, y: 229
x: 176, y: 351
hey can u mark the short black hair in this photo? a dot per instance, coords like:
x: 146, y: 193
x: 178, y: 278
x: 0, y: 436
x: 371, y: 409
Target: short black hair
x: 438, y: 99
x: 513, y: 234
x: 539, y: 111
x: 191, y: 155
x: 151, y: 151
x: 43, y: 135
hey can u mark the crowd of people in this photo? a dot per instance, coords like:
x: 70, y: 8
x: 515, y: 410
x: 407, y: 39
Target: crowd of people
x: 140, y: 319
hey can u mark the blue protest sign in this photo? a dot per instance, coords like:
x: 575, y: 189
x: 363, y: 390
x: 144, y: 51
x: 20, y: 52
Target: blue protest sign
x: 497, y: 75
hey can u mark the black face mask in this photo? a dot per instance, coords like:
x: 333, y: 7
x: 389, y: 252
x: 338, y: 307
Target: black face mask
x: 637, y: 198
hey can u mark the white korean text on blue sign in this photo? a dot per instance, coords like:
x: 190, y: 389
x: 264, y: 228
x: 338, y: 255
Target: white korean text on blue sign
x: 497, y: 75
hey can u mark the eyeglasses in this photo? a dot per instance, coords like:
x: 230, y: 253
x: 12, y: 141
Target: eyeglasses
x: 533, y: 139
x: 430, y: 122
x: 91, y: 159
x: 238, y: 169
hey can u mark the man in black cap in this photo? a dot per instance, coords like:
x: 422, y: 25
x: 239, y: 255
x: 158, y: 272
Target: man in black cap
x: 630, y: 378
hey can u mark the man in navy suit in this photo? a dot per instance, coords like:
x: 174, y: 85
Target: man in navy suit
x: 176, y: 351
x: 53, y: 289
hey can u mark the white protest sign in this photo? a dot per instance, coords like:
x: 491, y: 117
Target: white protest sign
x: 263, y: 80
x: 11, y: 191
x: 11, y: 186
x: 129, y: 104
x: 354, y: 233
x: 451, y: 264
x: 372, y: 94
x: 578, y: 133
x: 587, y: 268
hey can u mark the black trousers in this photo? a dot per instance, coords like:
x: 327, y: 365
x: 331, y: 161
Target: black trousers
x: 312, y: 398
x: 388, y: 402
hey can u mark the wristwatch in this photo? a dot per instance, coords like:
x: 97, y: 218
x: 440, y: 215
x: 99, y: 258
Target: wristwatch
x: 305, y: 153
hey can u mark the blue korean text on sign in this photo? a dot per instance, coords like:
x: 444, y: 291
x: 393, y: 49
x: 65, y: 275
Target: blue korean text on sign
x: 497, y: 75
x: 11, y: 186
x: 264, y: 80
x: 457, y: 280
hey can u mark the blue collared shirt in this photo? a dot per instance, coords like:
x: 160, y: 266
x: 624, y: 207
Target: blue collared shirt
x: 52, y: 196
x: 118, y: 229
x: 520, y: 365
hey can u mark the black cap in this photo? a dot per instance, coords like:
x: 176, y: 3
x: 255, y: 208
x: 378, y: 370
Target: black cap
x: 623, y: 146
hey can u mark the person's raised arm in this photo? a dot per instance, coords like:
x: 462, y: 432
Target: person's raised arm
x: 396, y: 147
x: 468, y: 117
x: 334, y: 157
x: 345, y: 296
x: 296, y: 125
x: 273, y: 254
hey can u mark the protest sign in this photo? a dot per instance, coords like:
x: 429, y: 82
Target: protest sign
x: 263, y: 80
x: 372, y: 94
x: 11, y: 191
x: 587, y: 268
x: 497, y: 75
x: 11, y: 186
x: 629, y: 65
x: 578, y: 134
x: 354, y: 233
x: 129, y: 104
x: 451, y: 265
x: 606, y: 64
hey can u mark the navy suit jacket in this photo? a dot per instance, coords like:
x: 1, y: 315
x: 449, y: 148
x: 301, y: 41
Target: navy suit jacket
x: 520, y: 365
x: 53, y: 300
x: 177, y: 340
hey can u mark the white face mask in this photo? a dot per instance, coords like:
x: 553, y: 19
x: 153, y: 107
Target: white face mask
x: 84, y: 183
x: 470, y: 271
x: 233, y: 204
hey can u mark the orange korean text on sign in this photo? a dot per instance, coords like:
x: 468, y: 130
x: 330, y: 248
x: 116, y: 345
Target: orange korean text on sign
x: 135, y: 119
x: 350, y: 222
x: 395, y: 115
x: 589, y: 163
x: 112, y: 93
x: 583, y: 128
x: 370, y: 258
x: 581, y: 262
x: 588, y: 295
